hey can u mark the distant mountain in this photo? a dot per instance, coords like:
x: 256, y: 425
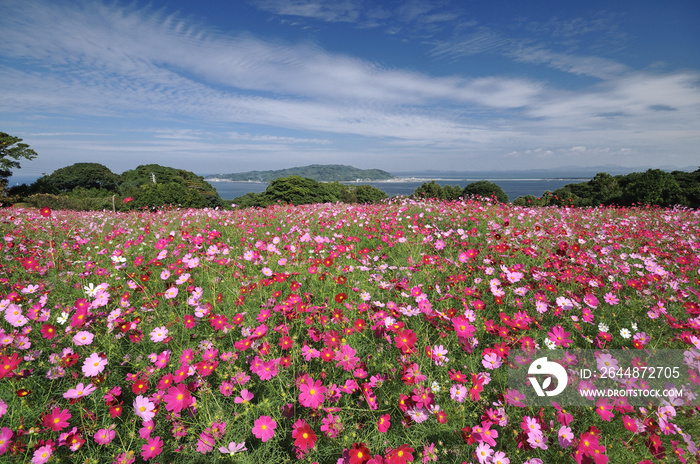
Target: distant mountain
x: 318, y: 172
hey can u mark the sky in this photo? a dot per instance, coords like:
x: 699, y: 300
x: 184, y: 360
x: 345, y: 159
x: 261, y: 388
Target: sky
x: 451, y: 85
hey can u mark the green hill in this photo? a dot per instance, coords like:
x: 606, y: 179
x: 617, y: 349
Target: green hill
x: 318, y: 172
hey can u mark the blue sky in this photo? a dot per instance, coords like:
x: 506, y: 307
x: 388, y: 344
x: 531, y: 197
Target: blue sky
x: 230, y: 86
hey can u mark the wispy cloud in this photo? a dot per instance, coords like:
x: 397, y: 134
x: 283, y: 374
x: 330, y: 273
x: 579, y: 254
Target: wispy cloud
x: 199, y: 90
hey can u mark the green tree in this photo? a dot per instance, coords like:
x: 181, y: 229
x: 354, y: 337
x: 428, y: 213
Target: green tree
x: 166, y: 194
x: 297, y: 191
x: 84, y: 175
x: 653, y: 187
x: 429, y: 190
x: 484, y: 188
x: 11, y: 150
x: 367, y: 194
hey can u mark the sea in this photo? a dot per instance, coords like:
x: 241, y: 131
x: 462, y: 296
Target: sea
x: 404, y: 184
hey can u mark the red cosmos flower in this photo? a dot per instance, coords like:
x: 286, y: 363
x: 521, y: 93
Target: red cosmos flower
x: 286, y: 342
x: 48, y: 331
x: 45, y: 211
x: 476, y: 388
x: 57, y: 419
x: 359, y: 454
x: 140, y: 386
x: 400, y: 455
x: 69, y: 359
x: 405, y: 339
x: 8, y: 365
x: 360, y: 325
x: 340, y: 297
x: 115, y: 410
x: 304, y: 436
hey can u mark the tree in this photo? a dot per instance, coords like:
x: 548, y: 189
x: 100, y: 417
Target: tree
x: 484, y: 188
x: 10, y: 147
x: 653, y: 187
x: 85, y: 175
x: 297, y: 191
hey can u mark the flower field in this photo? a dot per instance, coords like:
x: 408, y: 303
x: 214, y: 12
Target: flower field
x: 336, y: 333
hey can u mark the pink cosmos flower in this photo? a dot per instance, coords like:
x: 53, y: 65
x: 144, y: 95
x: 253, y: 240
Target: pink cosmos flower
x: 170, y: 293
x: 42, y: 454
x: 57, y: 420
x: 178, y: 398
x: 5, y: 439
x: 152, y: 448
x: 159, y: 334
x: 226, y: 388
x: 104, y: 436
x: 611, y: 299
x: 144, y: 408
x: 83, y: 338
x: 591, y: 300
x: 458, y: 393
x: 146, y: 429
x: 94, y: 365
x: 233, y: 448
x: 604, y: 409
x: 264, y: 428
x: 244, y: 398
x: 205, y: 443
x: 384, y: 423
x: 484, y: 453
x: 491, y: 361
x: 79, y: 391
x: 565, y: 436
x: 312, y: 394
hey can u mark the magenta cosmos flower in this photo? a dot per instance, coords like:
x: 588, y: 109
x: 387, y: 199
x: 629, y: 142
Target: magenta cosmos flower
x: 152, y: 448
x: 264, y: 428
x: 178, y: 398
x: 312, y: 394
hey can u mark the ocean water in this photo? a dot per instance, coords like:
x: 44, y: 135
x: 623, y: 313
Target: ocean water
x: 514, y: 188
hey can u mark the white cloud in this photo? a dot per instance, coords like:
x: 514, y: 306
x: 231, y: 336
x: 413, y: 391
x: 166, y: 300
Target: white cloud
x: 92, y: 62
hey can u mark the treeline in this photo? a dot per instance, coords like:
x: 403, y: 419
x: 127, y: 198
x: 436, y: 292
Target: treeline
x: 653, y: 187
x: 481, y: 188
x: 298, y: 190
x: 93, y: 186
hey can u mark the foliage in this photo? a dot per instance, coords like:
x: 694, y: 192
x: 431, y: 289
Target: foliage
x: 319, y: 172
x: 86, y: 186
x: 436, y: 191
x: 154, y: 196
x: 377, y: 329
x: 11, y: 151
x: 486, y: 189
x: 80, y: 175
x: 653, y: 187
x: 72, y: 202
x: 297, y: 190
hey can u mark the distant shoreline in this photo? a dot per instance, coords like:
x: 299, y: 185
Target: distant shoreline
x: 420, y: 179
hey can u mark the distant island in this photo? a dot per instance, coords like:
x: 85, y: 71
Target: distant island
x: 318, y: 172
